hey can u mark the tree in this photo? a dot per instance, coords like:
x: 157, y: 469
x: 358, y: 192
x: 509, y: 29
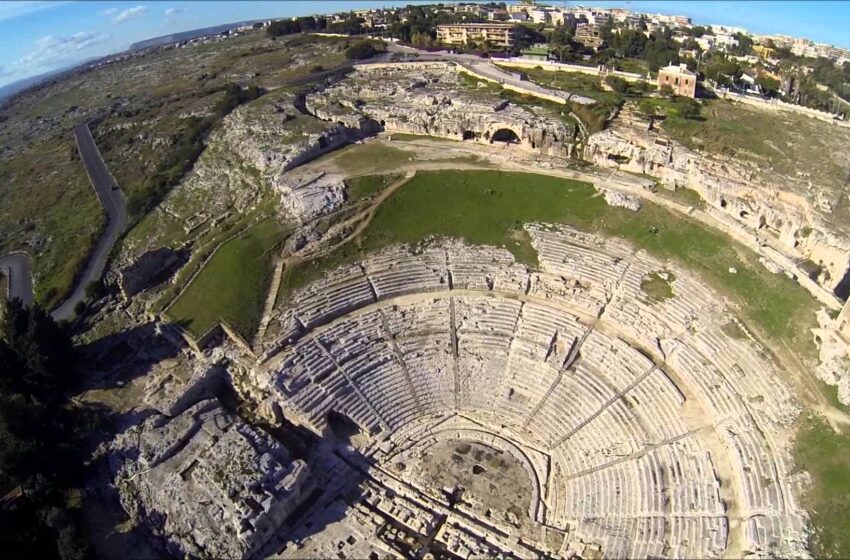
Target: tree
x: 40, y: 436
x: 40, y: 347
x: 768, y: 84
x: 79, y: 308
x: 283, y: 27
x: 307, y: 23
x: 744, y: 46
x: 95, y: 290
x: 361, y: 50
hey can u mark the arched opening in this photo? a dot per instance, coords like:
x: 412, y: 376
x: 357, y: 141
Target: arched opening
x: 744, y: 214
x: 383, y: 123
x: 468, y: 135
x: 723, y: 203
x: 505, y: 135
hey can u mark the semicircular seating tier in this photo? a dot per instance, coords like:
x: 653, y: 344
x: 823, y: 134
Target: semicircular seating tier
x: 648, y: 427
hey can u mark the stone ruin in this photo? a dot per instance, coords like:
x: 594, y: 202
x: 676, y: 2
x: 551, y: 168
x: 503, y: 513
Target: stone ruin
x: 206, y: 483
x: 729, y: 190
x: 307, y: 195
x: 638, y: 428
x: 435, y: 101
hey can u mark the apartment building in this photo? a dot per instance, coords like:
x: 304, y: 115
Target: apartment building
x: 494, y: 34
x: 588, y: 35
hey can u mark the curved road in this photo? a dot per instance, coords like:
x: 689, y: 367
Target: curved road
x: 114, y: 204
x: 16, y: 267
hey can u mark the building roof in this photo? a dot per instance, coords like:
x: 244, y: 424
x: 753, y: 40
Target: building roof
x: 681, y: 69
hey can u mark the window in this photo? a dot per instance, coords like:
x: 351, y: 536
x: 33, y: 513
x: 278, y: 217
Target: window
x: 677, y: 81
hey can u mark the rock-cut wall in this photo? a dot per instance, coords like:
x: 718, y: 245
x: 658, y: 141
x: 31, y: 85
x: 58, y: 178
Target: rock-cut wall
x: 731, y: 190
x: 435, y: 101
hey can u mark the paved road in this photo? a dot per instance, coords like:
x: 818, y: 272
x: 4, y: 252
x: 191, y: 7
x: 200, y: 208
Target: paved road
x: 114, y: 204
x: 16, y: 266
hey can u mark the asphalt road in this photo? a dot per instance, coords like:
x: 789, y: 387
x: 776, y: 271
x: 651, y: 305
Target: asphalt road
x: 16, y: 266
x: 114, y: 204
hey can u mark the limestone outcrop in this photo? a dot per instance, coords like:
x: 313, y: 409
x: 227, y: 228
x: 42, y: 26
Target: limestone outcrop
x: 207, y: 483
x: 436, y: 101
x: 731, y: 190
x: 310, y: 195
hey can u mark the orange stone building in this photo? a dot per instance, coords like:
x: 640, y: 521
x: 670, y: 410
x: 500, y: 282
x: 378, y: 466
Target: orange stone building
x: 680, y: 79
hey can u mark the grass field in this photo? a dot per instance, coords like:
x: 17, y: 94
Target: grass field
x: 232, y: 286
x: 788, y: 144
x: 358, y: 159
x: 360, y: 188
x: 826, y: 456
x: 490, y: 207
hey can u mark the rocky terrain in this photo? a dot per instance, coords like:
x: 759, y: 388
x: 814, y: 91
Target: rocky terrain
x: 207, y: 483
x: 432, y: 99
x: 798, y: 220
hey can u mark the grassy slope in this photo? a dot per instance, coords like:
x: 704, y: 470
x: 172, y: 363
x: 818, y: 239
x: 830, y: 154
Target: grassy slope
x: 47, y: 206
x: 232, y: 286
x: 360, y: 188
x: 50, y: 210
x: 488, y: 207
x: 826, y: 456
x: 784, y: 143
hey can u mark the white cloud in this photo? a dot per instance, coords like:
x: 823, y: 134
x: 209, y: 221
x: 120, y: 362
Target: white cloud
x: 54, y: 49
x: 11, y: 10
x: 173, y: 16
x: 130, y: 13
x: 4, y: 72
x: 109, y: 11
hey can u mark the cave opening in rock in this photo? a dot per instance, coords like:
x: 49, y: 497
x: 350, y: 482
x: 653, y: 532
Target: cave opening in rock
x: 505, y: 135
x: 842, y: 289
x: 618, y: 158
x: 468, y: 135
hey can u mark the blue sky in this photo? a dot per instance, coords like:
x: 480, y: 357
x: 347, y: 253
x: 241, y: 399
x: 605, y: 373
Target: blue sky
x: 42, y: 36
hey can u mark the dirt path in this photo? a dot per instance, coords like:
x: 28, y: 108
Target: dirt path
x: 362, y: 219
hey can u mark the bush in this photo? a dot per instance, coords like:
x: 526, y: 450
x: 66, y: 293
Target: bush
x: 618, y: 84
x: 361, y: 50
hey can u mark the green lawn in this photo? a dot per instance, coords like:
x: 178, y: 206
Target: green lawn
x: 826, y: 456
x: 490, y: 207
x: 232, y: 286
x: 360, y: 188
x: 357, y: 159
